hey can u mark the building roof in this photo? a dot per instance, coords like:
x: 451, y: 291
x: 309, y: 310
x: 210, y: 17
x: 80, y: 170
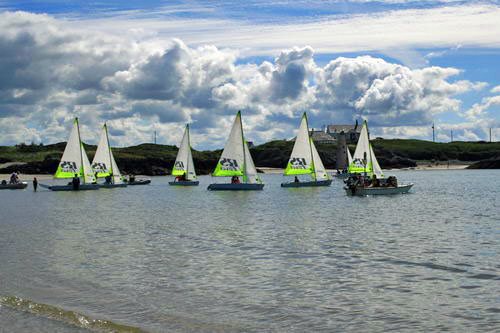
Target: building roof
x: 321, y: 136
x: 345, y: 128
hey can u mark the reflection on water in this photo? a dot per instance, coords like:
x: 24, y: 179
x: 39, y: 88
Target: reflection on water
x: 159, y: 258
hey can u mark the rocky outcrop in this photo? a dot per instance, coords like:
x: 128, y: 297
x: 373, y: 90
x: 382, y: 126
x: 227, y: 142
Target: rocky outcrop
x: 492, y: 163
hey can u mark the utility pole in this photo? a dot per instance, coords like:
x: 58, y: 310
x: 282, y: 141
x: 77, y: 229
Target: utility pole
x: 155, y: 137
x: 433, y: 136
x: 451, y: 135
x: 490, y: 134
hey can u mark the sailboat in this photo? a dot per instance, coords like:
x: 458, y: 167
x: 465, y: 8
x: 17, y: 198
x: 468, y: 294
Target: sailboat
x: 184, y: 166
x: 74, y: 164
x: 365, y: 164
x: 305, y: 160
x: 104, y: 164
x: 236, y: 161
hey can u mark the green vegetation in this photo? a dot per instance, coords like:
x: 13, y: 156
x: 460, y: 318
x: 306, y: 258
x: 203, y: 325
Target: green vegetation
x: 419, y: 150
x: 154, y: 159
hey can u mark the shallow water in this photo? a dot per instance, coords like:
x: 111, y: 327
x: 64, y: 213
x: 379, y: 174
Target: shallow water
x: 157, y: 258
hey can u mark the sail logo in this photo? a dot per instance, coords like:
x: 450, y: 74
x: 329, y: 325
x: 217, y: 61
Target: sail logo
x: 229, y: 164
x: 298, y: 163
x: 99, y: 167
x: 359, y: 163
x: 179, y: 165
x: 67, y: 166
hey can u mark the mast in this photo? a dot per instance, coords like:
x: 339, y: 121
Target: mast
x: 81, y: 152
x: 310, y: 148
x: 109, y: 152
x: 189, y: 147
x: 244, y: 153
x: 371, y: 150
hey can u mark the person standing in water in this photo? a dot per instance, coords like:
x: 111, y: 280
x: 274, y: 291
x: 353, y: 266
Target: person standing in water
x: 35, y: 184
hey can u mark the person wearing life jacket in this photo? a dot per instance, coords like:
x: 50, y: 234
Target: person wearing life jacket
x: 374, y: 181
x: 235, y: 180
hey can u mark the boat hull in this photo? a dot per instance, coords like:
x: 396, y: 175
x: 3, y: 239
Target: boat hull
x: 18, y: 186
x: 104, y: 185
x: 82, y: 187
x: 140, y: 182
x: 235, y: 187
x: 362, y: 191
x: 185, y: 183
x: 316, y: 183
x: 343, y: 175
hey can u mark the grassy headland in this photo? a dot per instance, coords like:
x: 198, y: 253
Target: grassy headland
x: 151, y: 159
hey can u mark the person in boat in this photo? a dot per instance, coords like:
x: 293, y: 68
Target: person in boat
x: 35, y: 184
x: 76, y: 182
x: 13, y: 178
x: 181, y: 178
x: 4, y: 182
x: 107, y: 179
x: 296, y: 180
x: 375, y: 182
x: 131, y: 178
x: 392, y: 181
x: 235, y: 180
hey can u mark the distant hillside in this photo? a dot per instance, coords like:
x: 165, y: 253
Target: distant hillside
x: 151, y: 159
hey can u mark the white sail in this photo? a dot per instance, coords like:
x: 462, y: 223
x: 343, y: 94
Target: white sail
x: 117, y: 176
x: 88, y: 173
x: 319, y: 168
x: 184, y: 161
x: 300, y: 161
x: 349, y: 157
x: 377, y: 170
x: 236, y: 159
x: 104, y: 163
x: 250, y: 169
x: 364, y: 160
x: 74, y: 160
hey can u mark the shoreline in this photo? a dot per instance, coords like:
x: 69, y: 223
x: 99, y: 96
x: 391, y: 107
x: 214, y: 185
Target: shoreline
x: 267, y: 170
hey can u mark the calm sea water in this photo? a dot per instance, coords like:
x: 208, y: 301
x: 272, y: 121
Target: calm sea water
x: 163, y: 259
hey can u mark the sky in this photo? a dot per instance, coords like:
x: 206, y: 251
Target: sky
x: 154, y: 66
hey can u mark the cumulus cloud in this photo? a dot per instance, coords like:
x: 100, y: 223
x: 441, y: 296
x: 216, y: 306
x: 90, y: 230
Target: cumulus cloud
x: 479, y: 109
x: 50, y: 72
x: 495, y: 89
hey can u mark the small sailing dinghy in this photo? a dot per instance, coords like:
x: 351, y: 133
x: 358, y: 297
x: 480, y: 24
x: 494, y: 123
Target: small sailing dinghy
x: 367, y: 177
x: 305, y: 160
x: 236, y: 161
x: 16, y: 186
x: 74, y: 164
x: 104, y: 164
x: 184, y: 166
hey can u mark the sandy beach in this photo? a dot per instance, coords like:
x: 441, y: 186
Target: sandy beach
x: 266, y: 170
x: 423, y: 166
x: 25, y: 177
